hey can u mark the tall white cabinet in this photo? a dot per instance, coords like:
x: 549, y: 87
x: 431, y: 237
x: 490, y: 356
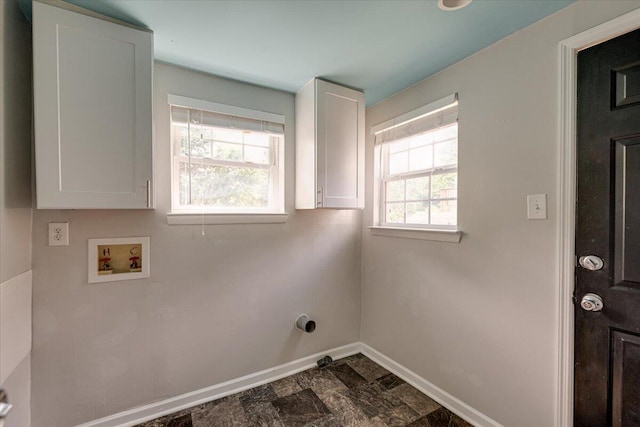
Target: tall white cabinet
x: 329, y: 146
x: 93, y: 110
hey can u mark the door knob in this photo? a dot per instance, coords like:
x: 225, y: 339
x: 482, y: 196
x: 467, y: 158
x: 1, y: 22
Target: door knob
x: 591, y: 302
x: 591, y: 262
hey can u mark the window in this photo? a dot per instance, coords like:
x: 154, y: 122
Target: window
x: 417, y: 168
x: 225, y: 159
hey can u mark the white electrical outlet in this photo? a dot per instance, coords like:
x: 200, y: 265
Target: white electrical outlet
x: 58, y: 234
x: 537, y: 206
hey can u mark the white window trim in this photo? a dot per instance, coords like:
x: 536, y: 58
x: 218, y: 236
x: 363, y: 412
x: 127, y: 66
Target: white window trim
x: 451, y: 234
x: 195, y: 216
x: 231, y: 110
x: 179, y: 218
x: 425, y: 110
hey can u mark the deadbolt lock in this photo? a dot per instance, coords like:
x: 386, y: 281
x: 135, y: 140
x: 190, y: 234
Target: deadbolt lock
x: 591, y: 262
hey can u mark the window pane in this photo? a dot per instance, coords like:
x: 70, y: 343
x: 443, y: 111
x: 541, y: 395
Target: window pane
x: 427, y: 163
x: 261, y: 139
x: 444, y: 186
x: 418, y: 213
x: 224, y: 151
x: 183, y: 184
x: 444, y: 212
x: 257, y: 155
x: 200, y: 148
x: 199, y: 132
x: 204, y: 132
x: 220, y: 186
x: 198, y: 145
x: 398, y: 162
x: 421, y: 158
x: 398, y: 146
x: 395, y: 213
x: 183, y: 139
x: 446, y: 153
x: 228, y: 135
x: 395, y: 191
x: 218, y: 166
x: 418, y: 188
x: 445, y: 133
x: 421, y: 140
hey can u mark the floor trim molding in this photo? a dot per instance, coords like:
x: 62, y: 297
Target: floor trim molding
x: 158, y: 409
x: 452, y: 403
x: 154, y: 410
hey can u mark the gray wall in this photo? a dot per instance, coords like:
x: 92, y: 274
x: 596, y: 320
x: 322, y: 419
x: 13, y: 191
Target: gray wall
x: 478, y: 319
x: 15, y: 209
x: 215, y: 308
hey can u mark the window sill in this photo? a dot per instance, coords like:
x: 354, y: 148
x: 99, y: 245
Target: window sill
x: 224, y: 218
x: 450, y: 236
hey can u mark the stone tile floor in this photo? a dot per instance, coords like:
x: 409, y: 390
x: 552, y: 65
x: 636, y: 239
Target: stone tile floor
x: 353, y: 391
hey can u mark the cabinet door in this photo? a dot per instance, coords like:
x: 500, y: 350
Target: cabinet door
x: 340, y: 145
x: 93, y: 111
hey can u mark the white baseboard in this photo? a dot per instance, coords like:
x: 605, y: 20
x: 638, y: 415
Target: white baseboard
x: 452, y: 403
x: 154, y: 410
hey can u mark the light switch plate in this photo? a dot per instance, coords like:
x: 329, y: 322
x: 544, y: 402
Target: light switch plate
x: 58, y: 234
x: 537, y: 206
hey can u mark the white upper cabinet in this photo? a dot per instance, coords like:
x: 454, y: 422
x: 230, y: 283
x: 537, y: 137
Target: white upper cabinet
x: 329, y: 146
x: 93, y: 110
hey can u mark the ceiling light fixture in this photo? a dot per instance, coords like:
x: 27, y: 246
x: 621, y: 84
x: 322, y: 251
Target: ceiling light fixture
x: 453, y: 4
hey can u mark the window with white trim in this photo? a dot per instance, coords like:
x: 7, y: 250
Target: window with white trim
x: 417, y: 168
x: 225, y: 159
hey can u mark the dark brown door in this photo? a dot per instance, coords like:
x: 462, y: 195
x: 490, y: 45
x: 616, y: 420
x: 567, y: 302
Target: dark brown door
x: 607, y: 342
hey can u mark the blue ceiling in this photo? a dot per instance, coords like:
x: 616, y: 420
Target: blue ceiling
x: 380, y: 46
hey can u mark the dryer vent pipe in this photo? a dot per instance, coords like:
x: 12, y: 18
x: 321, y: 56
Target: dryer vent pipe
x: 305, y: 324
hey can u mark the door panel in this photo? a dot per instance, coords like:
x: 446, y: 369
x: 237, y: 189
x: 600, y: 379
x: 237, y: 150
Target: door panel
x: 625, y: 374
x: 627, y: 204
x: 340, y: 145
x: 626, y: 86
x: 96, y: 73
x: 341, y: 130
x: 607, y: 343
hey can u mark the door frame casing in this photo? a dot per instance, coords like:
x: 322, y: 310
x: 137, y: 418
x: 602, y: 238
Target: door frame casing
x: 566, y: 198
